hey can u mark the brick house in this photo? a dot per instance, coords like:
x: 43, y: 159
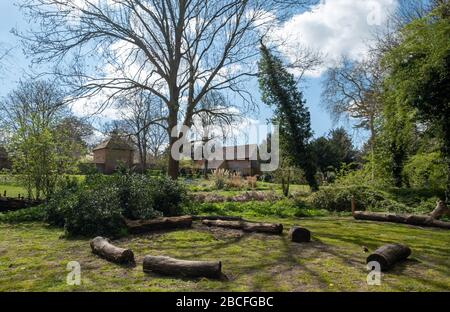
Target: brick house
x: 111, y: 153
x: 236, y: 159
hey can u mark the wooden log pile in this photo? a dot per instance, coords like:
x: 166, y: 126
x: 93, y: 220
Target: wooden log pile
x: 268, y: 228
x: 103, y: 248
x: 388, y: 255
x: 144, y: 226
x: 184, y: 268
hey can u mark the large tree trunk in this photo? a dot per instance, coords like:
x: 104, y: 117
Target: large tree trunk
x: 404, y: 219
x: 268, y: 228
x: 388, y: 255
x: 144, y: 226
x: 174, y: 165
x: 103, y: 247
x: 175, y: 267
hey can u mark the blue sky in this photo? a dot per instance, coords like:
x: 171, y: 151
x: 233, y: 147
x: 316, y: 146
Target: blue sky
x: 336, y: 27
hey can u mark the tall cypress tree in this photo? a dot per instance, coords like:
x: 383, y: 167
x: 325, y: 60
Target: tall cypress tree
x: 279, y: 90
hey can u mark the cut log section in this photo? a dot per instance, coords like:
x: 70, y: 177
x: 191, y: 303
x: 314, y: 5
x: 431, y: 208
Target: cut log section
x: 299, y: 235
x: 144, y: 226
x: 268, y: 228
x: 103, y: 247
x: 388, y: 255
x: 174, y: 267
x: 405, y: 219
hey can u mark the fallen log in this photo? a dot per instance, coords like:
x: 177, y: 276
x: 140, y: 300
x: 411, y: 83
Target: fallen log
x: 440, y: 210
x: 184, y: 268
x: 404, y: 219
x: 299, y: 235
x: 224, y: 218
x: 103, y: 247
x: 388, y: 255
x: 268, y: 228
x: 144, y: 226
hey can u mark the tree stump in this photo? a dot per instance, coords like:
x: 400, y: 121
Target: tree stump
x: 388, y: 255
x: 299, y: 235
x: 183, y: 268
x: 268, y: 228
x: 103, y: 247
x: 144, y: 226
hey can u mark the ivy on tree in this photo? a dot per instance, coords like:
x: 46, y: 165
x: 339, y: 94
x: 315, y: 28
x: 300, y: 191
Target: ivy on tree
x: 279, y: 89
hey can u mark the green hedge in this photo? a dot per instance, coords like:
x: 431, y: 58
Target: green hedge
x: 98, y: 205
x: 24, y: 215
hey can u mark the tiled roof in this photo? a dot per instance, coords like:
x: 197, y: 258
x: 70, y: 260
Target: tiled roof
x: 115, y: 143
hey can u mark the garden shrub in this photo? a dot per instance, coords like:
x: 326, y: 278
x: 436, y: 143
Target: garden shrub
x: 98, y: 205
x: 168, y: 196
x: 220, y: 177
x: 97, y: 212
x: 426, y: 171
x: 63, y: 199
x: 24, y: 215
x: 338, y: 199
x: 141, y: 200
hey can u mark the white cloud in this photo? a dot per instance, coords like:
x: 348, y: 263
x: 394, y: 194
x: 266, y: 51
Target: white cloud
x: 89, y: 107
x: 336, y: 28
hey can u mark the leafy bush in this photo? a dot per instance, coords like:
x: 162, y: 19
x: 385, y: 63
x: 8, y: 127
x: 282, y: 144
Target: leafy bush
x: 339, y: 199
x: 98, y: 205
x: 426, y: 171
x: 24, y: 215
x: 141, y: 199
x: 168, y: 196
x: 220, y: 177
x: 86, y: 168
x: 97, y: 212
x: 64, y: 198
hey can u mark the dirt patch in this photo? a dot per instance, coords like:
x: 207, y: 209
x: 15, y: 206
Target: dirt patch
x: 219, y: 233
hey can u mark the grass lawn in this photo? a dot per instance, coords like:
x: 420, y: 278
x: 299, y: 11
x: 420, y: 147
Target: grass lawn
x: 12, y: 190
x: 33, y: 257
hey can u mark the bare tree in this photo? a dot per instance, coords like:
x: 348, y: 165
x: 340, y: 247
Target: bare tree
x: 353, y: 90
x: 215, y: 119
x: 178, y: 50
x: 143, y: 118
x: 38, y: 103
x: 5, y: 52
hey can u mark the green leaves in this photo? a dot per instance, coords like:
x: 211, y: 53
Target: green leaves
x: 279, y: 90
